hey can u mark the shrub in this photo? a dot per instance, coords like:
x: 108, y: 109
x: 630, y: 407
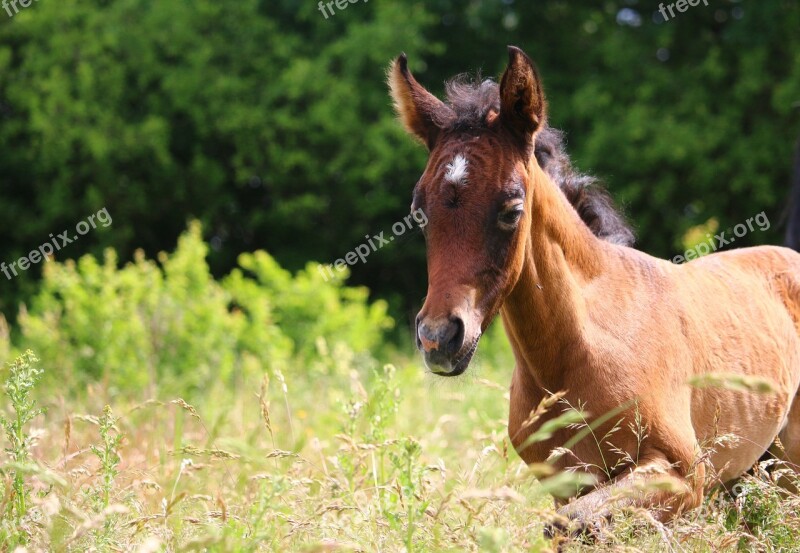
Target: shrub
x: 307, y: 307
x: 22, y: 377
x: 171, y: 323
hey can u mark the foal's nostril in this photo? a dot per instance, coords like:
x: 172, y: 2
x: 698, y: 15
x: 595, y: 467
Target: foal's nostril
x: 456, y: 332
x: 428, y: 338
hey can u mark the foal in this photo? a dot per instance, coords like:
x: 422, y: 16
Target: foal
x: 611, y: 327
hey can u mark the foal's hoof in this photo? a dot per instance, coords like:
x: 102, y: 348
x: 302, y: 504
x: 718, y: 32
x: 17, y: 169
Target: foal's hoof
x: 589, y: 530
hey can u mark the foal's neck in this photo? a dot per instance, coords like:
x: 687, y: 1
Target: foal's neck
x: 544, y: 313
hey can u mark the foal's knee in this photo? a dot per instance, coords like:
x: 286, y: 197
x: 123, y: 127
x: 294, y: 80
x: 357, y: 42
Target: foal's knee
x: 690, y: 492
x: 642, y: 487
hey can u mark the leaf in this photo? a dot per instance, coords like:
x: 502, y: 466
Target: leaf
x: 734, y: 382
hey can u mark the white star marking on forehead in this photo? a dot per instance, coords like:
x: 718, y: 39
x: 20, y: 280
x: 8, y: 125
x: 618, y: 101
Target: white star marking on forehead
x: 457, y: 170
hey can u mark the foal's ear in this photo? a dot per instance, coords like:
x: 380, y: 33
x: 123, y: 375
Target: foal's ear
x: 522, y: 104
x: 422, y: 113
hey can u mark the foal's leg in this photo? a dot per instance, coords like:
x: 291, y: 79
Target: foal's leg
x: 641, y: 487
x: 789, y: 453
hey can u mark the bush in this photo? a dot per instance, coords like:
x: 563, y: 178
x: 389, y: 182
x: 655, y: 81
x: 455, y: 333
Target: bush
x: 170, y: 323
x: 307, y: 307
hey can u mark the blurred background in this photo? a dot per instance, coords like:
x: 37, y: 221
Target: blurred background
x: 270, y: 123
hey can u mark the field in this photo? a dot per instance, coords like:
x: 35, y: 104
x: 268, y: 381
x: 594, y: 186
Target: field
x: 212, y: 249
x: 212, y: 444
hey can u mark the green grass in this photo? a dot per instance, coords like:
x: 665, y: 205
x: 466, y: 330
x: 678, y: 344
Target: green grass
x: 387, y: 460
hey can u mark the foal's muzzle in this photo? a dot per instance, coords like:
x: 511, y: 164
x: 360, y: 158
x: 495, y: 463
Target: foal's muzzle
x: 440, y: 342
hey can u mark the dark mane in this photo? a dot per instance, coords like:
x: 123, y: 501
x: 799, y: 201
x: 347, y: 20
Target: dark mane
x: 472, y: 102
x: 792, y: 238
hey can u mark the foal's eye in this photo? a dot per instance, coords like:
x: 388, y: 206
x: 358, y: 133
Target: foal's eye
x: 509, y: 217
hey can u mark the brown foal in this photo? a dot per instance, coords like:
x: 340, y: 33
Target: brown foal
x: 585, y: 314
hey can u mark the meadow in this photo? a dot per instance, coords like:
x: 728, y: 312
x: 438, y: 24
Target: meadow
x: 206, y: 399
x: 154, y: 408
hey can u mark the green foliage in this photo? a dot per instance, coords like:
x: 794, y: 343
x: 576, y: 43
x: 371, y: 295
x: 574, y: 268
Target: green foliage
x: 5, y: 341
x: 272, y: 125
x: 22, y: 377
x: 228, y: 113
x: 171, y: 323
x: 106, y: 452
x: 759, y: 507
x: 494, y: 350
x: 308, y: 307
x: 409, y: 479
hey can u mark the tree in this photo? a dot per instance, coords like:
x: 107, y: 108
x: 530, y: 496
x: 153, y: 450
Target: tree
x: 271, y: 124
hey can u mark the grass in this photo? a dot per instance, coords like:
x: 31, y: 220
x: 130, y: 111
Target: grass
x: 388, y: 460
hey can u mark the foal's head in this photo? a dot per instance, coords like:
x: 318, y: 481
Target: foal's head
x: 475, y: 193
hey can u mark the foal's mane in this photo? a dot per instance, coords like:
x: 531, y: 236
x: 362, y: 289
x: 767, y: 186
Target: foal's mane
x: 473, y: 100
